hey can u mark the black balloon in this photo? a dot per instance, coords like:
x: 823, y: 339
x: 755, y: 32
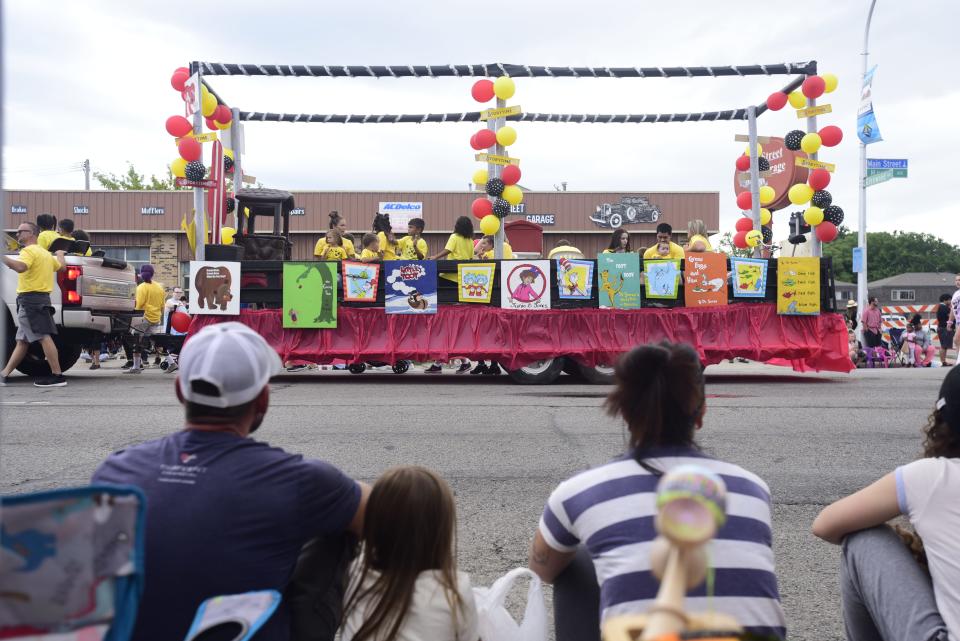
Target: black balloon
x: 792, y: 139
x: 501, y: 207
x: 230, y: 204
x: 195, y: 170
x: 227, y: 164
x: 833, y: 214
x: 822, y: 199
x: 763, y: 164
x: 767, y: 234
x: 495, y: 187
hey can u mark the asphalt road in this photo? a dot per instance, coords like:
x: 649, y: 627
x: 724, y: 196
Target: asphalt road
x: 504, y: 447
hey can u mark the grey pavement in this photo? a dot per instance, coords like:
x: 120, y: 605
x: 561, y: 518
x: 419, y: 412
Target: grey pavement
x: 504, y: 447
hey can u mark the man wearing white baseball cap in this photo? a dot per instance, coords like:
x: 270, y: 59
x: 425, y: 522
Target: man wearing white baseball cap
x: 227, y: 514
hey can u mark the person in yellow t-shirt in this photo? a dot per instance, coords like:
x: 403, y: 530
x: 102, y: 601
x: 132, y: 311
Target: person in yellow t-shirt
x: 333, y: 249
x: 35, y: 268
x: 413, y: 246
x: 697, y: 237
x: 619, y: 242
x: 664, y: 232
x: 48, y: 230
x: 459, y: 247
x: 79, y: 234
x: 150, y: 299
x: 338, y: 223
x: 66, y: 229
x: 485, y: 249
x: 371, y: 248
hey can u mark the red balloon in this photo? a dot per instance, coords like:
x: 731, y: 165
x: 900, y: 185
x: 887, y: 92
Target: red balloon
x: 178, y: 126
x: 510, y: 175
x: 743, y: 163
x: 831, y: 135
x: 481, y: 207
x: 182, y: 69
x: 179, y: 79
x: 210, y: 125
x: 189, y: 149
x: 744, y: 224
x: 482, y: 90
x: 180, y: 321
x: 740, y: 240
x: 485, y: 138
x: 744, y: 201
x: 473, y: 142
x: 819, y: 179
x: 776, y: 101
x: 222, y: 114
x: 826, y: 231
x: 813, y: 87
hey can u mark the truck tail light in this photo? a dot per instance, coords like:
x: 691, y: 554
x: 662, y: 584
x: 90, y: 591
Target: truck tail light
x: 69, y: 280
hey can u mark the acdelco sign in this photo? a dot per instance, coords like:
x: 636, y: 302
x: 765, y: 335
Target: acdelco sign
x: 783, y: 173
x: 415, y: 209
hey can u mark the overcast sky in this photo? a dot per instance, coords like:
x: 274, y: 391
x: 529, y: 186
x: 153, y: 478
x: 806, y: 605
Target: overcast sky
x: 91, y: 80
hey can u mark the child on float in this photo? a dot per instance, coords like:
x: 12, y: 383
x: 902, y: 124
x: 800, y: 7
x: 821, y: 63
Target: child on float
x: 388, y: 241
x: 338, y: 223
x: 459, y: 247
x: 371, y: 248
x: 619, y: 242
x: 413, y: 246
x: 333, y: 249
x: 886, y: 592
x: 405, y: 585
x: 484, y: 249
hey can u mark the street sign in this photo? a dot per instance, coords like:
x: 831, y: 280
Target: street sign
x: 857, y: 260
x: 493, y: 159
x: 897, y: 173
x: 876, y: 179
x: 502, y: 112
x: 886, y: 163
x: 814, y: 111
x: 810, y: 163
x: 204, y: 184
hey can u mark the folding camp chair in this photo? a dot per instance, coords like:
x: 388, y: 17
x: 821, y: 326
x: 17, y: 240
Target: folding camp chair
x: 897, y: 354
x: 71, y: 563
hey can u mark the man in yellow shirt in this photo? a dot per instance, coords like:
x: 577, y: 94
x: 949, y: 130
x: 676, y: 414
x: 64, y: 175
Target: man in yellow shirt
x: 664, y: 232
x: 35, y: 268
x: 413, y: 246
x: 150, y: 299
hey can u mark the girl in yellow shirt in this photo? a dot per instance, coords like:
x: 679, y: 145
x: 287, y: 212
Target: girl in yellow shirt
x: 333, y: 250
x: 460, y: 244
x: 338, y: 223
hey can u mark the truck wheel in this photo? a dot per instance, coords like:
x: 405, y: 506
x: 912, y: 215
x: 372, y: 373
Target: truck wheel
x: 34, y: 364
x: 357, y: 368
x: 401, y: 367
x: 616, y: 220
x: 539, y: 372
x: 600, y: 374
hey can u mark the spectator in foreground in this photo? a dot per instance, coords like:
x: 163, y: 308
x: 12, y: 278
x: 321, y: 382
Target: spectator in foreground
x: 886, y: 593
x: 611, y: 509
x: 664, y: 235
x: 225, y: 513
x: 406, y: 585
x: 945, y: 329
x: 35, y: 268
x: 919, y: 342
x: 872, y: 322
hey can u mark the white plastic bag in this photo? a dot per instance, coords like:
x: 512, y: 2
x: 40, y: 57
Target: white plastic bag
x: 496, y: 624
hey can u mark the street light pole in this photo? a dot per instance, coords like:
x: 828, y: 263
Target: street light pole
x: 862, y: 232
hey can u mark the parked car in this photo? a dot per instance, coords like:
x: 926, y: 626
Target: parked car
x: 630, y: 210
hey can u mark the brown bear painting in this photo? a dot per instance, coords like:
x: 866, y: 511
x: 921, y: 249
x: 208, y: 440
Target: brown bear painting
x: 213, y: 287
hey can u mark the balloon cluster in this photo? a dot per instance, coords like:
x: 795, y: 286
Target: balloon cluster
x: 746, y: 235
x: 821, y: 212
x: 218, y: 116
x: 502, y: 192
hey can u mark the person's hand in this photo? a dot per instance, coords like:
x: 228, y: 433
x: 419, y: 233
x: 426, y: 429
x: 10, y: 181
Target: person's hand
x: 59, y: 253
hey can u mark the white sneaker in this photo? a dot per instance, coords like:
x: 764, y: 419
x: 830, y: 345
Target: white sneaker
x: 133, y: 370
x: 172, y: 367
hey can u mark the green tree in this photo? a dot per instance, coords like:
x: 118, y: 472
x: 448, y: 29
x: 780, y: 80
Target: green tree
x: 893, y: 253
x: 133, y: 180
x: 727, y: 247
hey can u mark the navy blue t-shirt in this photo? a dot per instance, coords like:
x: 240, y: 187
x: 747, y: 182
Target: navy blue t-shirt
x: 225, y: 515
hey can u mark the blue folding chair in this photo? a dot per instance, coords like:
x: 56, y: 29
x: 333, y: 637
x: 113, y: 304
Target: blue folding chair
x: 71, y: 563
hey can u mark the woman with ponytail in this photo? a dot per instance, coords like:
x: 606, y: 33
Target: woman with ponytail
x: 597, y: 528
x: 339, y: 224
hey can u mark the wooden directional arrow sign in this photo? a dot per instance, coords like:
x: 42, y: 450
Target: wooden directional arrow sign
x: 815, y: 164
x: 497, y: 160
x: 814, y: 111
x: 503, y: 112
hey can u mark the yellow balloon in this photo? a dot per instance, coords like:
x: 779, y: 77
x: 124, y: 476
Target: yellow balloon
x: 512, y: 194
x: 767, y: 195
x: 830, y: 82
x: 208, y: 104
x: 797, y: 100
x: 179, y: 168
x: 228, y: 152
x: 504, y: 87
x: 765, y: 216
x: 759, y: 150
x: 813, y: 216
x: 800, y: 193
x: 811, y: 143
x: 754, y: 237
x: 223, y: 125
x: 506, y: 136
x: 226, y: 235
x: 480, y: 177
x: 489, y: 225
x: 203, y: 90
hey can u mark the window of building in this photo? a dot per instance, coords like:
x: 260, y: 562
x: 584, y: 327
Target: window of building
x: 903, y: 295
x: 135, y: 256
x: 185, y: 275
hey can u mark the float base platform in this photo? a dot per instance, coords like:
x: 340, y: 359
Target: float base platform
x: 590, y: 336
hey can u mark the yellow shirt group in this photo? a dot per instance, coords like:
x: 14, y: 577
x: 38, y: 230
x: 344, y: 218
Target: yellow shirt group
x: 150, y: 299
x: 347, y: 246
x: 676, y: 251
x: 390, y: 250
x: 369, y: 254
x: 334, y: 253
x: 46, y: 238
x: 41, y: 266
x: 460, y: 248
x: 407, y: 250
